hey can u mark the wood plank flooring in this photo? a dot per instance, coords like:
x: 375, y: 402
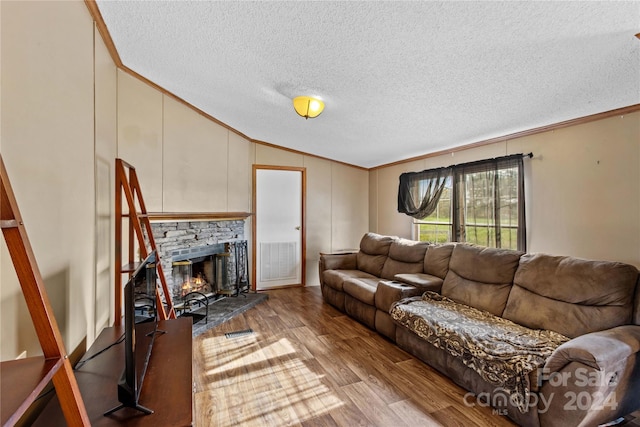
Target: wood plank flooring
x: 307, y: 364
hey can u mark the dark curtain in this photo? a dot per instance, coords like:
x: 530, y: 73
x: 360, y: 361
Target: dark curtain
x: 419, y: 192
x: 488, y: 199
x: 522, y: 221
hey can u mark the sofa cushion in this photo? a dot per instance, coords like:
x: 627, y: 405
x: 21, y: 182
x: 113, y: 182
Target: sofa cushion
x: 481, y: 277
x: 436, y: 260
x: 410, y: 251
x: 405, y: 256
x: 371, y: 264
x: 335, y: 278
x: 376, y: 244
x: 570, y: 295
x: 636, y: 312
x: 362, y: 289
x: 374, y: 249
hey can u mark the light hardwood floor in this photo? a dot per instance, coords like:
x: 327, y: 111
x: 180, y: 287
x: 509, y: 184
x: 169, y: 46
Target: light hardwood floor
x: 307, y: 364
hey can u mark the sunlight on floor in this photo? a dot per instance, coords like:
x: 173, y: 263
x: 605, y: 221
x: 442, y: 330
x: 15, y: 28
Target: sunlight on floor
x: 263, y: 382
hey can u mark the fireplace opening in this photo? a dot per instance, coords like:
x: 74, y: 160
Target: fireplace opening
x: 214, y: 270
x: 193, y: 275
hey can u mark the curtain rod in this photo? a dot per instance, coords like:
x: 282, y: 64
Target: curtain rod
x: 480, y: 162
x: 468, y: 164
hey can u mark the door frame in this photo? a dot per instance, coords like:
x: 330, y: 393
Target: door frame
x: 254, y: 223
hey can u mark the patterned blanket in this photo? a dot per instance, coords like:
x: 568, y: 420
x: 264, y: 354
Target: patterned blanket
x: 502, y: 352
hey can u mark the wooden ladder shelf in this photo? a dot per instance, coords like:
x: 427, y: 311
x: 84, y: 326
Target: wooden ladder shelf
x: 23, y: 380
x: 127, y: 183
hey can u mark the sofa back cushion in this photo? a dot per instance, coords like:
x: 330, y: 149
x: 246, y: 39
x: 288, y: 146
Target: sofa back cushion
x: 374, y: 249
x: 636, y: 310
x: 405, y: 256
x: 570, y: 295
x: 481, y: 277
x: 436, y: 260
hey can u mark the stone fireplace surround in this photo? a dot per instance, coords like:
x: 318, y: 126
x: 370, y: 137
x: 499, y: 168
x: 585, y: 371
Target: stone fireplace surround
x: 181, y: 240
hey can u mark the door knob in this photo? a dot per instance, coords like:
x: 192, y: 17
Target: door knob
x: 298, y: 228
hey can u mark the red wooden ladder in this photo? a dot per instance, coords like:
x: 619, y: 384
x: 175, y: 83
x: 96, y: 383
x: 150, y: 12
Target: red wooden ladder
x: 23, y: 380
x: 127, y: 183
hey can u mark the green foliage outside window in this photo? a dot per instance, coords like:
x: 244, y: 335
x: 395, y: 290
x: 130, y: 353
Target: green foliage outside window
x: 478, y: 211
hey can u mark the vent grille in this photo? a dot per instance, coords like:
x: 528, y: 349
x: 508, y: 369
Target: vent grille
x: 237, y: 334
x: 278, y: 261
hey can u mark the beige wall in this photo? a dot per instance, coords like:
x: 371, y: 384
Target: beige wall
x: 105, y: 154
x: 48, y: 147
x: 187, y: 163
x: 582, y: 187
x: 194, y: 161
x: 140, y: 135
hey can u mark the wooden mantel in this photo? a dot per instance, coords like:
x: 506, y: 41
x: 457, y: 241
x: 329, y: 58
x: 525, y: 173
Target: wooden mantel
x: 197, y: 216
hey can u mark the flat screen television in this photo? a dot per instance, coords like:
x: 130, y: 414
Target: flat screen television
x: 140, y: 329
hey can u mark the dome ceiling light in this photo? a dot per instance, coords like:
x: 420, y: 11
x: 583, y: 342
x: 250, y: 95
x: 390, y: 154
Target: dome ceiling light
x: 307, y: 106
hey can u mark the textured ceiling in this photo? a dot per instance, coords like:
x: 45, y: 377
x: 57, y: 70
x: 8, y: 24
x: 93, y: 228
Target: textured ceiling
x: 399, y: 79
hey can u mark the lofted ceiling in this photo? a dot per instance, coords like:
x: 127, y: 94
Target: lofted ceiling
x: 399, y: 79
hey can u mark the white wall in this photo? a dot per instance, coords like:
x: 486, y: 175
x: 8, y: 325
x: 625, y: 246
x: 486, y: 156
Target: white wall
x: 582, y: 189
x: 48, y: 145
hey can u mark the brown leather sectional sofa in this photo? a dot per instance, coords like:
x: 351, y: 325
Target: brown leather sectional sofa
x: 592, y: 378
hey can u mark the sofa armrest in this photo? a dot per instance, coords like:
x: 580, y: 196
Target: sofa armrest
x: 426, y: 282
x: 599, y: 350
x: 591, y: 379
x: 389, y: 292
x: 340, y: 261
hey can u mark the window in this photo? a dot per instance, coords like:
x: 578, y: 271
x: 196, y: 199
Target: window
x: 480, y: 202
x: 488, y: 207
x: 438, y: 225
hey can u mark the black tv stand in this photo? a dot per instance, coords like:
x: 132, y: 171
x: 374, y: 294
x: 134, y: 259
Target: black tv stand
x: 137, y: 407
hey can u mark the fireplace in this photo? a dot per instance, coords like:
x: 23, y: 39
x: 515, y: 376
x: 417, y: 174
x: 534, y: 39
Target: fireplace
x: 222, y: 270
x: 203, y: 254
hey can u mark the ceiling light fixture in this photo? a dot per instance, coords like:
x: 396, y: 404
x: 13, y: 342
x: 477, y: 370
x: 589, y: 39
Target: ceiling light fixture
x: 307, y: 106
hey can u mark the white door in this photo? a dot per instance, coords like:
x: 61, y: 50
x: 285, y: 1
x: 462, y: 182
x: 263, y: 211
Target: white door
x: 279, y: 227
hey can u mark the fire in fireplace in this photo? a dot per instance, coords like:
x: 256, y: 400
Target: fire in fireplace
x: 194, y: 275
